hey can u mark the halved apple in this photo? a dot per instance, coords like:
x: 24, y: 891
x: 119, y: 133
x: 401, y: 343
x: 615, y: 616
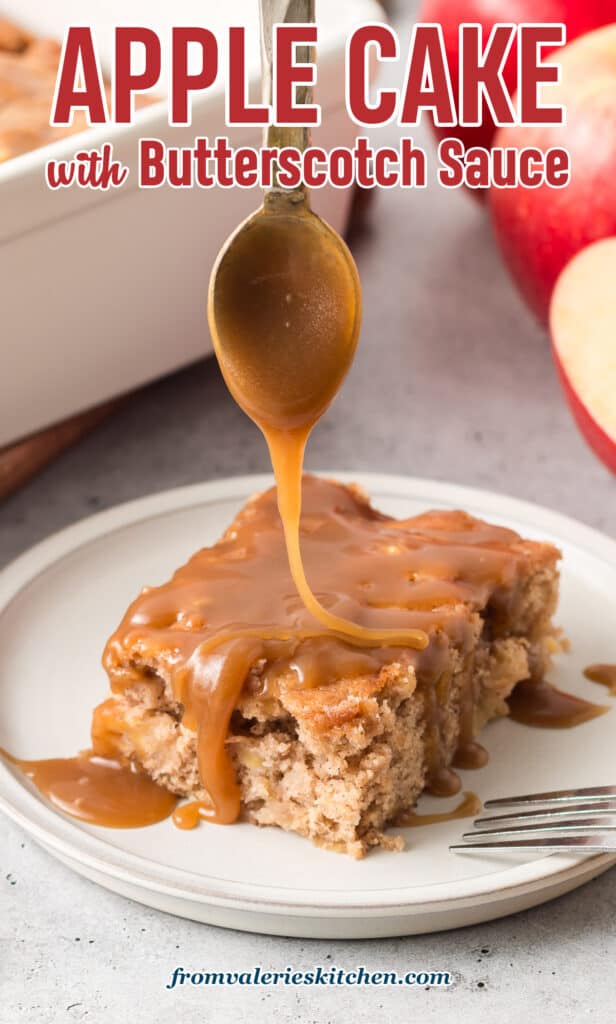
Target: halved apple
x: 540, y: 229
x: 578, y: 16
x: 583, y: 328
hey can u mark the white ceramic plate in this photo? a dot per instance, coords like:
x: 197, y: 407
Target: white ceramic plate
x: 60, y: 601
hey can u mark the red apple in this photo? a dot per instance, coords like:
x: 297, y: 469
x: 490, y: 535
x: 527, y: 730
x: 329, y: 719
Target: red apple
x: 539, y: 230
x: 583, y: 327
x: 578, y: 15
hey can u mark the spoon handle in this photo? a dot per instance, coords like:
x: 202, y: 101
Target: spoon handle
x: 274, y: 12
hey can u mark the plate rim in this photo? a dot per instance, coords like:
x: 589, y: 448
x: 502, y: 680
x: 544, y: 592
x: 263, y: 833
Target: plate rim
x: 58, y: 834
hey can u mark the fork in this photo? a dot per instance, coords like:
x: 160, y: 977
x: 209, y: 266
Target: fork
x: 561, y: 821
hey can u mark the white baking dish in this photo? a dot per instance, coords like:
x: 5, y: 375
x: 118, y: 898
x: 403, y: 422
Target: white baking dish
x: 101, y: 292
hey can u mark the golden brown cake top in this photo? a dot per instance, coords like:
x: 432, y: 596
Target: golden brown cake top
x: 233, y: 607
x: 429, y: 572
x: 425, y: 572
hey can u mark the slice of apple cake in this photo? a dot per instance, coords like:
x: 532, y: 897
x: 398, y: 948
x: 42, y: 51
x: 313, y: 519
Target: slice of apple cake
x: 227, y: 692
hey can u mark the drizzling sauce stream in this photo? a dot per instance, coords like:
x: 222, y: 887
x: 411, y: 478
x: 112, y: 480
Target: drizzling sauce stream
x: 284, y: 311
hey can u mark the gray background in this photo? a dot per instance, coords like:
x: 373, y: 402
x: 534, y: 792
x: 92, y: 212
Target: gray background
x: 453, y: 380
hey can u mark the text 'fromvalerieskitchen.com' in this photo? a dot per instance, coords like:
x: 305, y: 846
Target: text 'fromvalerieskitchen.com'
x: 318, y: 975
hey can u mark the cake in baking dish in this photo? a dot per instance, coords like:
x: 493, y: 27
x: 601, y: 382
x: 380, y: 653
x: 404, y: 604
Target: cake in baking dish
x: 28, y: 71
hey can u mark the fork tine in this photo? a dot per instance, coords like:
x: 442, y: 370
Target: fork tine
x: 549, y: 844
x: 555, y: 796
x: 566, y: 810
x: 590, y: 825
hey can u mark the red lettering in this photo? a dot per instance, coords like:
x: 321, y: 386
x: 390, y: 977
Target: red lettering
x: 239, y: 111
x: 60, y: 173
x: 222, y: 155
x: 414, y: 167
x: 532, y: 72
x: 184, y: 83
x: 314, y: 176
x: 450, y: 154
x: 340, y: 167
x: 79, y: 54
x: 90, y: 168
x: 289, y: 167
x: 481, y: 75
x: 268, y: 162
x: 288, y: 75
x: 384, y: 177
x: 179, y: 167
x: 557, y: 167
x: 477, y: 174
x: 428, y: 85
x: 246, y: 165
x: 151, y: 167
x: 504, y: 167
x: 202, y: 154
x: 98, y: 170
x: 531, y: 167
x: 383, y: 39
x: 363, y: 162
x: 127, y: 83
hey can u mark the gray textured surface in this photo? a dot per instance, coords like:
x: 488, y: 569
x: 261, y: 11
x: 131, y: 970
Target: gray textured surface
x: 453, y: 380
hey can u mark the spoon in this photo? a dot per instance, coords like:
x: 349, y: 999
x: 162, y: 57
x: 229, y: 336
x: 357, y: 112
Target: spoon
x: 284, y: 310
x: 285, y: 297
